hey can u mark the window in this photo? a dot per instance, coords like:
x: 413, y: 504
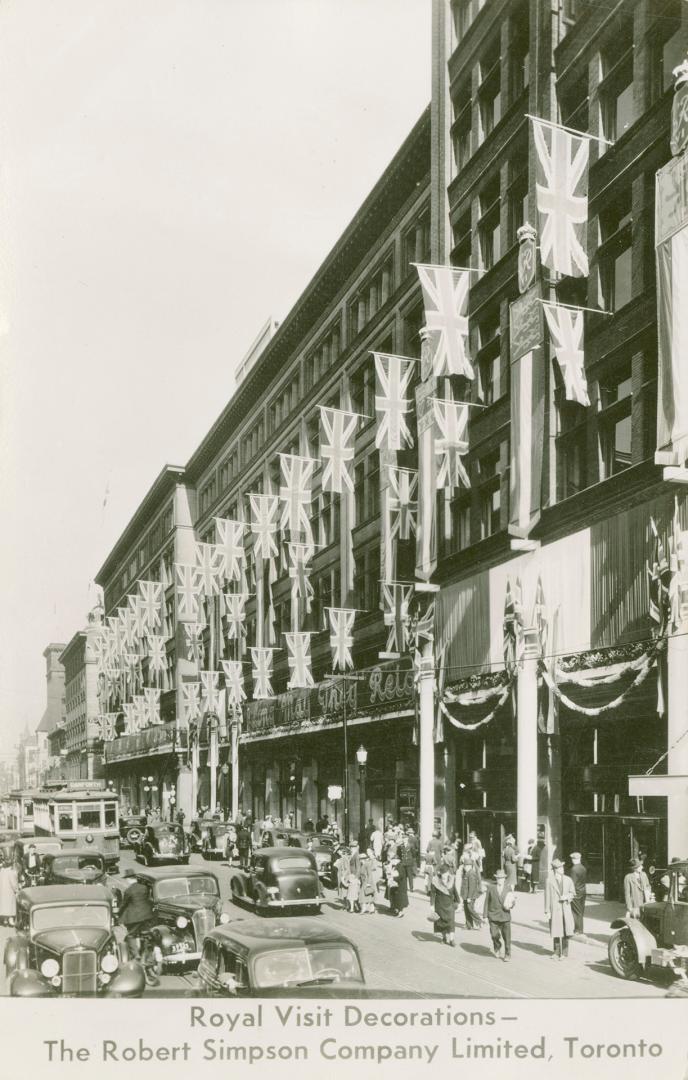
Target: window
x: 573, y: 104
x: 617, y: 106
x: 489, y: 495
x: 489, y: 226
x: 372, y: 296
x: 413, y: 322
x: 461, y: 255
x: 416, y: 242
x: 571, y: 447
x: 615, y: 253
x: 323, y: 356
x: 461, y: 521
x: 489, y: 359
x: 465, y: 11
x: 615, y: 420
x: 367, y: 579
x: 489, y: 93
x: 462, y: 135
x: 367, y: 487
x: 88, y: 816
x: 519, y: 60
x: 666, y: 47
x: 208, y: 494
x: 362, y: 388
x: 518, y: 192
x: 65, y: 820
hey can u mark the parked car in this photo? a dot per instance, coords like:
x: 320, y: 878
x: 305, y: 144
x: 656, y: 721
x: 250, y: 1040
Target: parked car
x: 163, y: 843
x: 284, y: 878
x: 187, y: 906
x: 659, y: 938
x: 78, y: 866
x: 251, y: 958
x: 65, y: 944
x: 131, y: 829
x: 321, y: 846
x: 211, y: 838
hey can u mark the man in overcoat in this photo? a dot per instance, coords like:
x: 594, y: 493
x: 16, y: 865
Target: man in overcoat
x: 636, y: 889
x: 559, y: 892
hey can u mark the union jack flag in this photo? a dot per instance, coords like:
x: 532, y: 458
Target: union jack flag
x: 561, y: 192
x: 157, y: 656
x: 264, y: 511
x: 230, y: 545
x: 445, y: 296
x: 396, y: 598
x: 188, y: 592
x: 151, y: 700
x: 540, y: 614
x: 295, y: 495
x: 208, y: 568
x: 566, y: 331
x: 135, y: 615
x: 403, y: 504
x: 191, y: 700
x: 108, y: 728
x: 451, y: 443
x: 341, y: 637
x: 150, y: 604
x: 393, y: 375
x: 234, y: 682
x: 677, y: 563
x: 127, y: 627
x: 139, y: 714
x: 130, y: 721
x: 235, y: 604
x: 262, y: 673
x: 210, y: 690
x: 513, y: 621
x: 337, y: 431
x: 299, y: 661
x: 193, y: 641
x: 300, y: 555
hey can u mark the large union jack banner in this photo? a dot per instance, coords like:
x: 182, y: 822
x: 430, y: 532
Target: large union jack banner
x: 234, y: 682
x: 191, y: 700
x: 234, y: 611
x: 445, y: 296
x: 341, y: 637
x: 295, y: 495
x: 337, y: 432
x: 264, y: 513
x: 402, y: 502
x: 209, y: 564
x: 150, y: 605
x: 127, y: 626
x: 565, y: 327
x: 561, y: 192
x: 396, y: 599
x: 230, y: 547
x: 139, y: 713
x: 393, y: 376
x: 188, y: 591
x: 451, y: 443
x: 299, y: 661
x: 262, y: 672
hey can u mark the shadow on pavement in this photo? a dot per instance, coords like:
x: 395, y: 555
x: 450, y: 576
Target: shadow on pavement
x: 540, y: 950
x: 477, y: 950
x: 423, y: 935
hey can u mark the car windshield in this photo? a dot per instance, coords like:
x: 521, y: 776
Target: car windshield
x: 301, y: 966
x: 77, y: 862
x: 63, y: 916
x: 321, y: 845
x: 183, y: 886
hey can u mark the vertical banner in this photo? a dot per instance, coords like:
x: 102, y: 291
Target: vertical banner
x: 426, y: 534
x: 561, y: 193
x: 527, y: 412
x: 671, y: 237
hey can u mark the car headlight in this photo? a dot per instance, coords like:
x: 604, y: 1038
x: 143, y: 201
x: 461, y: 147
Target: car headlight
x: 181, y: 922
x: 109, y: 963
x: 50, y: 968
x: 56, y: 980
x: 224, y: 917
x: 104, y: 978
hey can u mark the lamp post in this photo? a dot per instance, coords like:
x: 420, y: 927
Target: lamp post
x: 361, y: 758
x: 225, y: 801
x: 345, y: 678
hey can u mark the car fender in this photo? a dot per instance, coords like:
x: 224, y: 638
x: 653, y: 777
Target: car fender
x: 238, y: 885
x: 128, y: 981
x: 645, y: 942
x: 30, y: 983
x: 17, y: 953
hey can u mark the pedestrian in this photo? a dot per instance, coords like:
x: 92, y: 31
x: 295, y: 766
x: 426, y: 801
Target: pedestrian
x: 449, y: 857
x: 368, y: 832
x: 244, y: 846
x: 413, y: 848
x: 636, y: 889
x: 367, y: 885
x: 579, y: 877
x: 527, y: 866
x: 444, y: 903
x: 135, y: 910
x: 510, y: 860
x: 433, y: 856
x: 477, y: 850
x: 353, y: 889
x: 499, y: 901
x: 308, y: 826
x: 9, y: 884
x: 559, y: 892
x: 342, y: 866
x: 321, y: 824
x: 376, y: 842
x: 468, y: 887
x: 397, y: 882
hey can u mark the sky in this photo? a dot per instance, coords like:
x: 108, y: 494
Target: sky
x: 172, y: 173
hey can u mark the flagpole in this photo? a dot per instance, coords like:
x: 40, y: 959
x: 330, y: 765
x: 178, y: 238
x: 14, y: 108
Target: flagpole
x: 438, y: 266
x: 574, y: 307
x: 452, y: 401
x: 571, y: 131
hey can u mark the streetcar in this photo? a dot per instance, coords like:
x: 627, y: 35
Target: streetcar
x: 19, y: 811
x: 81, y: 817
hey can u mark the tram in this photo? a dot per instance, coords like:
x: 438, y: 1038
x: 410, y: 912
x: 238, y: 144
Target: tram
x: 81, y: 816
x: 19, y: 808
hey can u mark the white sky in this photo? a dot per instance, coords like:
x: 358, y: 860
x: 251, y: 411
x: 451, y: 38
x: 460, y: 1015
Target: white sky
x: 172, y: 172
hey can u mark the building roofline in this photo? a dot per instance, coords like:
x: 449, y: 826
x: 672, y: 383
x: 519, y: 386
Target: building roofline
x: 168, y: 477
x: 71, y: 643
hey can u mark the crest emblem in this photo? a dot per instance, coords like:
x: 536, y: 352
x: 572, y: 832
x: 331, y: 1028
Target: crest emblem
x: 526, y: 257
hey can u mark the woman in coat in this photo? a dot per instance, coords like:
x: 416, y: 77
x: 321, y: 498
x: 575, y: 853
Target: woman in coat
x: 396, y: 876
x: 510, y: 861
x: 444, y: 903
x: 559, y: 892
x: 9, y: 884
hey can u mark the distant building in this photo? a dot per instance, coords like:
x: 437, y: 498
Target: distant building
x: 54, y: 709
x: 80, y: 736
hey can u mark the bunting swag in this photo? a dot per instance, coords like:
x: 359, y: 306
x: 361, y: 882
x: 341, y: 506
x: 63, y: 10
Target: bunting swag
x: 672, y: 315
x: 230, y: 547
x: 561, y: 193
x: 301, y: 588
x: 337, y: 431
x: 188, y: 592
x: 208, y: 569
x: 262, y: 673
x: 234, y: 682
x: 566, y: 331
x: 191, y: 701
x: 341, y: 637
x: 264, y: 513
x: 295, y: 495
x: 451, y: 443
x: 234, y: 605
x: 396, y: 598
x: 445, y: 296
x: 392, y: 378
x: 193, y: 641
x: 157, y: 656
x: 150, y: 605
x: 299, y: 660
x: 403, y: 502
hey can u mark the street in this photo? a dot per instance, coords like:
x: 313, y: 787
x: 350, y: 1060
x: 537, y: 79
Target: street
x: 403, y: 955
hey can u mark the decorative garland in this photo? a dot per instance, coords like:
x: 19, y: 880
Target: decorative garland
x: 640, y: 677
x: 594, y: 658
x: 485, y: 720
x: 603, y: 676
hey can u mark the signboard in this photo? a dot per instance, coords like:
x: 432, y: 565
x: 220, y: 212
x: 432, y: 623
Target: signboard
x: 334, y: 792
x: 657, y: 786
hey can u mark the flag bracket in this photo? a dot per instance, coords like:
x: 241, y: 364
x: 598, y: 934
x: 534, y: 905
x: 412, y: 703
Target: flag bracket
x: 524, y: 545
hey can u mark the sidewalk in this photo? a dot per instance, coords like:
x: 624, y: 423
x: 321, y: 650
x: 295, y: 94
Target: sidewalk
x: 529, y: 912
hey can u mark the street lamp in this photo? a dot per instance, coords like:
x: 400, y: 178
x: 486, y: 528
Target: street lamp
x: 225, y: 784
x: 361, y: 758
x: 345, y: 676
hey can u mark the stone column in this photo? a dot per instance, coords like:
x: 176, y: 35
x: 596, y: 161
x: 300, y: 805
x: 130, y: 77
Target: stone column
x: 526, y: 740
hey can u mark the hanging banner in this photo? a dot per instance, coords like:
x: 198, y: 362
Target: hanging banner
x: 396, y: 599
x: 679, y: 111
x: 295, y: 496
x: 209, y: 561
x: 235, y: 614
x: 566, y: 330
x: 299, y: 572
x: 151, y: 706
x: 561, y: 195
x: 262, y: 672
x: 337, y: 433
x: 451, y: 443
x: 230, y: 547
x: 341, y: 622
x: 527, y: 401
x: 672, y: 314
x: 188, y: 592
x: 234, y: 682
x: 193, y: 641
x: 402, y: 502
x: 151, y: 596
x: 210, y: 701
x: 191, y: 701
x: 264, y: 514
x: 393, y: 376
x: 445, y: 297
x: 299, y: 661
x: 426, y: 536
x: 157, y: 655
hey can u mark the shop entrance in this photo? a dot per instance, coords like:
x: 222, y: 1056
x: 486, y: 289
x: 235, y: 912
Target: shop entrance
x: 491, y: 827
x: 608, y: 843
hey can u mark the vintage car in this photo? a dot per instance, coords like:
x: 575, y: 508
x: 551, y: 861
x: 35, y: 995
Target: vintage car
x: 659, y: 938
x: 162, y: 842
x: 187, y: 906
x: 78, y: 866
x: 210, y: 838
x: 131, y: 829
x: 280, y: 878
x: 65, y: 944
x: 321, y: 846
x: 253, y: 958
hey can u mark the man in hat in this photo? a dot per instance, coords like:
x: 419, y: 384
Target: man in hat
x: 636, y: 889
x: 510, y: 860
x: 498, y: 914
x: 579, y: 877
x: 559, y: 892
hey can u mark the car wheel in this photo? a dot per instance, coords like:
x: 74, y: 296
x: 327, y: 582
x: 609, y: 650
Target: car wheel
x: 133, y: 836
x: 623, y: 955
